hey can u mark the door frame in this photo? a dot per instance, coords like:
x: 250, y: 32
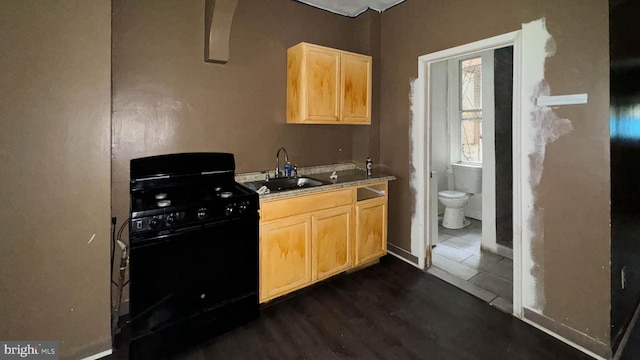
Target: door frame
x: 423, y: 224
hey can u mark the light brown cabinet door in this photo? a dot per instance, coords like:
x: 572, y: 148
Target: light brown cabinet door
x: 371, y: 230
x: 356, y: 89
x: 313, y: 84
x: 332, y: 242
x: 323, y: 85
x: 285, y: 256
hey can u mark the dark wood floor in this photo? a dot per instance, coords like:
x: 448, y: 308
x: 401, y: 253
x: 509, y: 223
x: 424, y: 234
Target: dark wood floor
x: 388, y: 311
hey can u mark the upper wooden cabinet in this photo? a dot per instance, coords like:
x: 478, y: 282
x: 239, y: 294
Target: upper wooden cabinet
x: 327, y: 86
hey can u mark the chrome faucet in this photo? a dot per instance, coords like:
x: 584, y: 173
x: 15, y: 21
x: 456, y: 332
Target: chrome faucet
x: 286, y: 158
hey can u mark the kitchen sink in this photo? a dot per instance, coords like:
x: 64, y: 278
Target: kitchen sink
x: 284, y: 184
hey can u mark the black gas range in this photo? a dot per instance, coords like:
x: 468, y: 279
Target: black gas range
x: 194, y: 250
x: 169, y: 192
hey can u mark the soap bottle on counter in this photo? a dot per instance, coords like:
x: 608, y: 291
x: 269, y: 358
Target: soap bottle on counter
x: 287, y: 169
x: 369, y: 166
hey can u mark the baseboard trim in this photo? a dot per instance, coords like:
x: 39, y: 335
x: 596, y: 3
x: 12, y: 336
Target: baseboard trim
x: 585, y: 343
x: 89, y: 351
x: 499, y: 249
x: 402, y: 254
x: 504, y: 251
x: 473, y: 213
x: 99, y: 355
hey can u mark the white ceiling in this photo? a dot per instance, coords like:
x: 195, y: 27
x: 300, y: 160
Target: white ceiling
x: 351, y: 8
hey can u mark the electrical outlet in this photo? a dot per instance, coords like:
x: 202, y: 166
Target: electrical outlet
x: 623, y: 277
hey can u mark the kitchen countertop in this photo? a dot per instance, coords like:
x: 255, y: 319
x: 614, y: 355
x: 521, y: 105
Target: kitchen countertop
x: 348, y: 176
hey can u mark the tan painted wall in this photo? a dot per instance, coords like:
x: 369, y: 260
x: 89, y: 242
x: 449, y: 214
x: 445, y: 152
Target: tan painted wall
x: 167, y: 99
x: 55, y: 173
x: 366, y: 139
x: 573, y: 249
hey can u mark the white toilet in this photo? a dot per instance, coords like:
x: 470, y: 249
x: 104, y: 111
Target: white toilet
x: 467, y: 180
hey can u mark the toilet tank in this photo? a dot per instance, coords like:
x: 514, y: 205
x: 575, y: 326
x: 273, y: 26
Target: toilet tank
x: 467, y: 178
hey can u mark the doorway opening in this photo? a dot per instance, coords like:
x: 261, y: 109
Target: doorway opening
x: 442, y: 126
x: 471, y: 166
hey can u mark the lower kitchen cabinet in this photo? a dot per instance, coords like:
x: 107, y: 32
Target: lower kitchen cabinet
x: 285, y: 256
x: 308, y: 238
x: 332, y: 244
x: 371, y: 229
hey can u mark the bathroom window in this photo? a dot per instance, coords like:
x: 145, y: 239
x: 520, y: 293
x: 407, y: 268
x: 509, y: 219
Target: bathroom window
x: 470, y: 107
x: 470, y: 110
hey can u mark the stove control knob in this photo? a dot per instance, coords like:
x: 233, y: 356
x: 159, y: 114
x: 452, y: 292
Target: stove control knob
x: 202, y: 213
x: 171, y: 219
x: 229, y: 209
x: 153, y: 223
x: 242, y: 207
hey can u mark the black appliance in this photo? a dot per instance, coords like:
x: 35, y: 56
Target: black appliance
x: 193, y: 251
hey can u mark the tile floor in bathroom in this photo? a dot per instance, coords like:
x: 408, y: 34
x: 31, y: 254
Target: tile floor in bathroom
x: 458, y: 260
